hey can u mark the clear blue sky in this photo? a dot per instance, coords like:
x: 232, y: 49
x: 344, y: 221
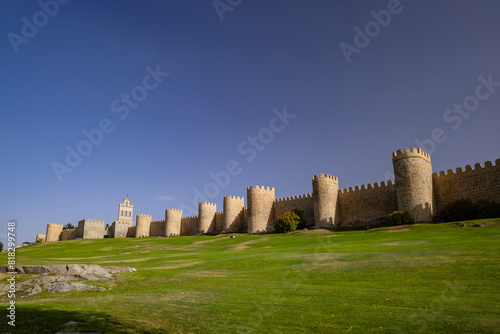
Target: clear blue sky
x: 225, y: 78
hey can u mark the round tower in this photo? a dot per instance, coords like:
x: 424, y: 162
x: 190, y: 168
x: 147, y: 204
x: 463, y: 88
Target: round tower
x: 325, y: 193
x: 260, y: 209
x: 53, y: 232
x: 40, y: 238
x: 173, y: 222
x: 206, y: 213
x: 413, y: 180
x: 232, y: 219
x: 142, y: 224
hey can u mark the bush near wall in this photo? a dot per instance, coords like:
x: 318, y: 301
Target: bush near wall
x: 464, y: 209
x: 288, y: 222
x: 399, y: 218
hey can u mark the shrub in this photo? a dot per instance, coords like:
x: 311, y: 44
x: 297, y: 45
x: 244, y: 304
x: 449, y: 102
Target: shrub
x: 287, y: 222
x: 302, y: 222
x: 399, y: 218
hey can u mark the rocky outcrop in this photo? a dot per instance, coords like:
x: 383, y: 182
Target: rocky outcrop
x: 62, y: 278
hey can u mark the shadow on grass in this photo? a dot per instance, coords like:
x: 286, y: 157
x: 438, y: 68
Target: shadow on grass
x: 35, y: 319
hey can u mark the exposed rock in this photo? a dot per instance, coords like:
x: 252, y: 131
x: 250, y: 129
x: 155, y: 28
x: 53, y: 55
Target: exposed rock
x: 34, y: 290
x: 65, y: 287
x: 58, y: 278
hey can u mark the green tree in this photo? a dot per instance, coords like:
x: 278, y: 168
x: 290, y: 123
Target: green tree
x: 287, y: 222
x: 400, y: 218
x: 68, y: 226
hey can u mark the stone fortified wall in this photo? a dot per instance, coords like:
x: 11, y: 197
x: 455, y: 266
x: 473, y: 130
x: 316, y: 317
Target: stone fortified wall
x: 142, y: 226
x: 302, y: 203
x: 260, y: 209
x: 416, y: 189
x: 207, y: 217
x: 53, y: 232
x: 172, y: 222
x: 367, y: 204
x: 232, y: 219
x: 91, y: 229
x: 478, y: 183
x: 119, y: 229
x: 157, y: 228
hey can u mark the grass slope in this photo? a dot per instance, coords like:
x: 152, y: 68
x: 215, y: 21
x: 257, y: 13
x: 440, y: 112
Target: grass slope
x: 416, y: 279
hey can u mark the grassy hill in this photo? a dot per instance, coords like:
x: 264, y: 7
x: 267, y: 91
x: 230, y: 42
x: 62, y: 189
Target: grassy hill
x: 415, y: 279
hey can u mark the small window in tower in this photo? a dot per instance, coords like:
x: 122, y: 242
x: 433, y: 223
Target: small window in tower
x: 121, y: 213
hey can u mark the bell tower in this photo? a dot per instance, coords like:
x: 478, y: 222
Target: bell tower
x: 126, y: 211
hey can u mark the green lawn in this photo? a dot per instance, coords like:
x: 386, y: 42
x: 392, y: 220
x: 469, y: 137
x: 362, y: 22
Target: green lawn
x: 417, y: 279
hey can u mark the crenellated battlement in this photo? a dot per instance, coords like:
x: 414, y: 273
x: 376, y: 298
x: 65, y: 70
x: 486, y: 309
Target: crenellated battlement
x: 174, y: 210
x: 207, y: 204
x: 293, y: 198
x: 261, y: 188
x: 234, y: 197
x: 413, y: 153
x: 325, y: 177
x: 416, y: 189
x: 369, y: 186
x: 468, y: 169
x: 190, y: 217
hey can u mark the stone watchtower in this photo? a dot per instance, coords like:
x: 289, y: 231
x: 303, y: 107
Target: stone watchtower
x: 142, y: 224
x: 260, y: 209
x: 125, y: 211
x: 413, y: 179
x: 206, y: 212
x: 325, y: 193
x: 173, y: 222
x: 53, y: 232
x: 232, y: 221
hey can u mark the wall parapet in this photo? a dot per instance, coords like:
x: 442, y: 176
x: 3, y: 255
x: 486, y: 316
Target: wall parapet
x: 413, y: 153
x: 325, y: 176
x: 468, y: 169
x: 369, y: 186
x: 261, y: 188
x: 235, y: 197
x: 293, y: 198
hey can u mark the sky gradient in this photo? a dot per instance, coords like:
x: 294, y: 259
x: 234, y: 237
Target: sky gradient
x: 179, y: 94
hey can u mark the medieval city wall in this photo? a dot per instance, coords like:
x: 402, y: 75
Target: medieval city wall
x: 478, y: 183
x: 303, y: 203
x: 416, y: 189
x: 68, y: 234
x: 366, y: 204
x: 189, y: 225
x: 131, y: 232
x: 157, y: 228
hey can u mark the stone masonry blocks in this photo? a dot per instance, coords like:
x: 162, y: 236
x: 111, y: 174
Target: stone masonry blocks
x: 325, y: 194
x: 232, y: 220
x: 142, y: 225
x: 260, y: 209
x: 413, y: 179
x: 173, y: 219
x: 53, y: 232
x: 207, y: 217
